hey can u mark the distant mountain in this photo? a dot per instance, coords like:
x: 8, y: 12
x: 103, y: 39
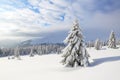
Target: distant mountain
x: 55, y: 37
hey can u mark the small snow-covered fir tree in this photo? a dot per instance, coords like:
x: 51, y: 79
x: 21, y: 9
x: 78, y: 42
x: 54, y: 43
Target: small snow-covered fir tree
x: 33, y: 50
x: 112, y: 40
x: 75, y: 53
x: 17, y: 53
x: 97, y: 44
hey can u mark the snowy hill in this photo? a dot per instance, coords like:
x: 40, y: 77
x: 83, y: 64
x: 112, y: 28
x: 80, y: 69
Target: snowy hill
x: 106, y: 66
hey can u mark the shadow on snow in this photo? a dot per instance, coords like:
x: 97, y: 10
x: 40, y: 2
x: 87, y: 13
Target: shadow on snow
x: 104, y: 60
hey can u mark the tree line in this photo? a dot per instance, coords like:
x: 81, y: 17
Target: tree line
x: 32, y: 50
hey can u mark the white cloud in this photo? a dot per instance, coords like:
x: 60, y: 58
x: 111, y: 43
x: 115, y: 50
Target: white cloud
x: 28, y: 22
x: 105, y: 20
x: 17, y: 22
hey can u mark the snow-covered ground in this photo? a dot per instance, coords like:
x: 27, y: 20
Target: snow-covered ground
x: 106, y: 66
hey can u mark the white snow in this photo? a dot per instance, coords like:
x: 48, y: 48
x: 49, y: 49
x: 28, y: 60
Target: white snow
x: 106, y: 66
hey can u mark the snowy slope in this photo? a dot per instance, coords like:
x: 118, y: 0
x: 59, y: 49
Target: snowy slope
x: 106, y: 66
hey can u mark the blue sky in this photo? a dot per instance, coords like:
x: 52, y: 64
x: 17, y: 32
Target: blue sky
x: 27, y: 19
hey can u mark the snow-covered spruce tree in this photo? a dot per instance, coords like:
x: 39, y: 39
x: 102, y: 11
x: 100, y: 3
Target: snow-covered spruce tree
x: 32, y: 51
x: 97, y: 44
x: 75, y: 53
x: 112, y: 40
x: 17, y: 53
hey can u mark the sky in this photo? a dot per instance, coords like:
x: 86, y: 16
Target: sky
x: 22, y: 20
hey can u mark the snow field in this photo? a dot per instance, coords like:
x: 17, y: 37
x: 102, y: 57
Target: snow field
x: 106, y: 66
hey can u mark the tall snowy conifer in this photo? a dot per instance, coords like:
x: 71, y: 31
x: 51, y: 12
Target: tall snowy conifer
x: 75, y: 53
x: 112, y: 40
